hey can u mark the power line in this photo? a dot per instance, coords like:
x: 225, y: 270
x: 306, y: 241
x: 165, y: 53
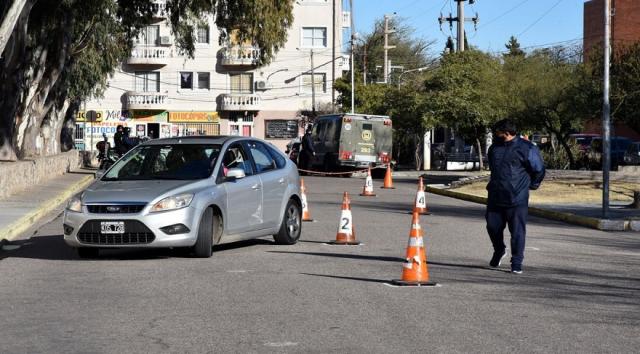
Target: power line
x: 503, y: 14
x: 540, y: 18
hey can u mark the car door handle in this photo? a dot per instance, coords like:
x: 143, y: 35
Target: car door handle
x: 281, y: 180
x: 255, y: 187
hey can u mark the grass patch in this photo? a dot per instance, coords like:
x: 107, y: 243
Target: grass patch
x: 566, y: 191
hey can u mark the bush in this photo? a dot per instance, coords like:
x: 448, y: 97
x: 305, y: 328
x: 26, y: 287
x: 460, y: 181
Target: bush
x: 559, y: 160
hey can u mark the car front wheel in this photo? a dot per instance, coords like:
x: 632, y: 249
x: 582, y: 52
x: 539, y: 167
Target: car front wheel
x: 204, y: 244
x: 291, y: 226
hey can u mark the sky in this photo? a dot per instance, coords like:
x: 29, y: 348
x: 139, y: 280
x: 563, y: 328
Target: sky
x: 532, y: 22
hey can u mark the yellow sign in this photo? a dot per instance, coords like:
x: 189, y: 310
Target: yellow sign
x: 194, y: 117
x: 366, y: 135
x: 81, y: 116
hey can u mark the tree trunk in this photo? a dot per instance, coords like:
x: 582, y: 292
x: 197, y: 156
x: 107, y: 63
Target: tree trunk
x: 418, y: 152
x: 481, y: 164
x: 10, y: 18
x: 567, y: 149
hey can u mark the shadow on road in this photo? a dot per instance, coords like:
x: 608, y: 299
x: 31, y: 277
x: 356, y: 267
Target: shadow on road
x: 53, y: 247
x: 345, y: 255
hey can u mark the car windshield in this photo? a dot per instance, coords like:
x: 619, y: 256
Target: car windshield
x: 174, y: 161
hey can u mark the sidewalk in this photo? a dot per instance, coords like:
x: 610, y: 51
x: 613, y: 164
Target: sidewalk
x: 25, y: 210
x: 620, y: 218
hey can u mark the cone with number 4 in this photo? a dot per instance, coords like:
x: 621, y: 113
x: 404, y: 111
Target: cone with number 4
x: 420, y: 205
x: 306, y: 215
x: 415, y: 271
x: 367, y: 191
x: 388, y: 179
x: 346, y: 234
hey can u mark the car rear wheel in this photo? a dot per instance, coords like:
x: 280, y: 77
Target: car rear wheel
x: 88, y: 252
x: 204, y: 244
x: 291, y: 226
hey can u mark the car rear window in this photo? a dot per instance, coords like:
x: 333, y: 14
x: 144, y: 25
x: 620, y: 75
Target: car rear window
x: 367, y: 126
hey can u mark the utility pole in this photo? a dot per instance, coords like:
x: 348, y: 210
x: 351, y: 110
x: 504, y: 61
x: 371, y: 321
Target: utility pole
x: 353, y: 42
x: 364, y: 65
x: 606, y: 112
x: 460, y: 19
x: 313, y: 87
x: 333, y: 55
x: 387, y: 32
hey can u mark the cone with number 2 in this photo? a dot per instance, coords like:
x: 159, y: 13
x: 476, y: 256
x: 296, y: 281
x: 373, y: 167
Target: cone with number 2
x: 306, y: 215
x: 346, y: 234
x: 367, y: 191
x: 414, y: 270
x: 420, y: 205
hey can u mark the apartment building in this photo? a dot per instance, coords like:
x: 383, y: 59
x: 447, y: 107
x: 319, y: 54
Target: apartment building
x: 159, y: 93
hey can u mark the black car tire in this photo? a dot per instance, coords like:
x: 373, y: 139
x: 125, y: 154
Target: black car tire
x: 204, y: 243
x: 88, y: 252
x: 291, y: 226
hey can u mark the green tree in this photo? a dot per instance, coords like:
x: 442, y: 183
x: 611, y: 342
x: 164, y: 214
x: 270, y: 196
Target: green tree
x: 548, y: 94
x: 61, y: 52
x: 467, y: 93
x: 514, y: 48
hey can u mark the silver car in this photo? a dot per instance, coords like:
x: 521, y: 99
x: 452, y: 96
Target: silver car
x: 190, y: 192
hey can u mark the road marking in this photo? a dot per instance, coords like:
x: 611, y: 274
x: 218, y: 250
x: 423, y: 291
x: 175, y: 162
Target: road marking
x: 281, y: 344
x: 533, y: 248
x: 237, y: 271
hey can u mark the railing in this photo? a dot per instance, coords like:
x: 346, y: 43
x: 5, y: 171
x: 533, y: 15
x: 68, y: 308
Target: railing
x: 240, y: 55
x: 146, y: 100
x: 239, y: 102
x: 148, y: 55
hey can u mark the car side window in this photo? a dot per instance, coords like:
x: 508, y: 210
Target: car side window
x: 280, y: 160
x: 236, y: 157
x: 261, y: 157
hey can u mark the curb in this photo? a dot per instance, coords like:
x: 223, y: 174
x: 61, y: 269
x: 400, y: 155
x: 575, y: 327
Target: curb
x: 26, y: 221
x: 594, y: 223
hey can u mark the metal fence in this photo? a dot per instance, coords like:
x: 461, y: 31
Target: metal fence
x: 190, y: 129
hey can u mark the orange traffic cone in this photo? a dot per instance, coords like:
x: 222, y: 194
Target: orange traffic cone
x: 367, y: 191
x: 414, y: 270
x: 306, y: 215
x: 346, y: 234
x: 420, y: 204
x: 388, y: 180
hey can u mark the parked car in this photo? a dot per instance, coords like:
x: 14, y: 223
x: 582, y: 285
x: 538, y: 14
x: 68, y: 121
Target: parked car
x: 632, y: 155
x: 584, y: 140
x: 293, y: 150
x: 188, y: 192
x: 619, y: 146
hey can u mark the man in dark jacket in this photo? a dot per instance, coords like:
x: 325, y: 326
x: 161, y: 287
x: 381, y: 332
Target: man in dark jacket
x: 118, y: 140
x: 307, y: 151
x: 516, y: 167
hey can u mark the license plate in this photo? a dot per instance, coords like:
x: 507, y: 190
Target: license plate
x: 365, y: 158
x: 112, y: 227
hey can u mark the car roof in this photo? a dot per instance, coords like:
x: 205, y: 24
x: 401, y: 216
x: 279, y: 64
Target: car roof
x: 200, y: 139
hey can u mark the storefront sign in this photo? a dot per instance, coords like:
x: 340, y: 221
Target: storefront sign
x: 194, y: 117
x: 281, y: 129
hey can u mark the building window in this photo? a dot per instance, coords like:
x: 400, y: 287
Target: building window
x: 241, y: 83
x: 147, y: 81
x: 202, y: 34
x: 314, y: 37
x: 186, y: 80
x: 148, y: 36
x: 203, y: 81
x: 320, y: 81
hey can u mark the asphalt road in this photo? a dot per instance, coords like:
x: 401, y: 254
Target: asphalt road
x: 580, y: 291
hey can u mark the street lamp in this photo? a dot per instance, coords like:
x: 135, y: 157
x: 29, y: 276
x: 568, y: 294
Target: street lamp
x: 410, y: 71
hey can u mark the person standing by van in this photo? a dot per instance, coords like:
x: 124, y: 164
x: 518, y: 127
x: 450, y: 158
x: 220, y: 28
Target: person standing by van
x: 307, y: 151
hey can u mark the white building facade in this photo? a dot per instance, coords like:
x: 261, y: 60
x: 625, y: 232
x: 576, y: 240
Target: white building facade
x: 158, y: 92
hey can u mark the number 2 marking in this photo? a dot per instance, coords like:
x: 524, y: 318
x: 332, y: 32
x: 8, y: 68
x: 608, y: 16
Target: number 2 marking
x: 345, y: 226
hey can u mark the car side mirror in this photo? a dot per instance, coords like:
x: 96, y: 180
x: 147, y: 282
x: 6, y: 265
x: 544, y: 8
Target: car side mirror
x: 235, y: 173
x: 100, y: 173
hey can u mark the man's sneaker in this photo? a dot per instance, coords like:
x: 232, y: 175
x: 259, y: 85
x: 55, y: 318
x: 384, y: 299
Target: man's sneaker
x: 496, y: 260
x: 516, y: 269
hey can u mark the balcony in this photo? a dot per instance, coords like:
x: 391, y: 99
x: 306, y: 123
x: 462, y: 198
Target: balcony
x: 239, y: 102
x: 146, y: 100
x: 159, y: 9
x: 240, y: 55
x: 142, y: 55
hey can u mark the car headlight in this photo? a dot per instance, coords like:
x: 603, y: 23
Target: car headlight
x: 75, y: 204
x: 172, y: 203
